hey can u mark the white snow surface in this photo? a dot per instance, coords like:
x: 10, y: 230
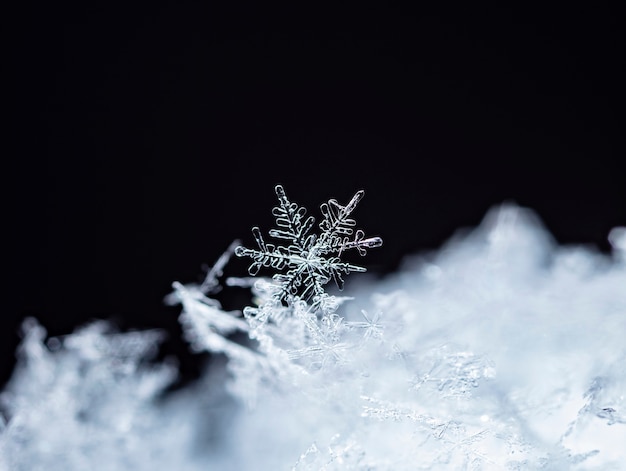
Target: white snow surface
x: 501, y: 350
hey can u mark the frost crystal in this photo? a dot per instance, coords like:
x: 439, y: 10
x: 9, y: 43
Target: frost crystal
x: 309, y: 261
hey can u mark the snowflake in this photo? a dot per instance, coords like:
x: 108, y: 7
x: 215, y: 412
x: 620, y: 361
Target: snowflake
x: 309, y: 261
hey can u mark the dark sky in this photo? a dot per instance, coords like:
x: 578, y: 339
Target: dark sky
x: 148, y: 138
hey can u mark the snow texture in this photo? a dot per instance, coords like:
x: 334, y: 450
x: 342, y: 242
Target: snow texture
x: 500, y: 351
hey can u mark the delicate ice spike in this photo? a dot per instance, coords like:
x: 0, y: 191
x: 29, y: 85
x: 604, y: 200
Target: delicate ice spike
x: 358, y: 196
x: 256, y: 232
x: 210, y: 281
x: 282, y: 196
x: 210, y: 284
x: 362, y: 244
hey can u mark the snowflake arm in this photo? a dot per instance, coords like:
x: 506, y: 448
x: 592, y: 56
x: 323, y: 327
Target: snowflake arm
x: 337, y: 228
x: 210, y: 284
x: 289, y: 218
x: 268, y: 255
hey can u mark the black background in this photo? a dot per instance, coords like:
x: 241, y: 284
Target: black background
x: 147, y: 138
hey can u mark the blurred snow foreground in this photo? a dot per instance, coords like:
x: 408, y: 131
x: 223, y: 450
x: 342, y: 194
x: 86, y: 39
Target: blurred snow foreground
x: 501, y: 350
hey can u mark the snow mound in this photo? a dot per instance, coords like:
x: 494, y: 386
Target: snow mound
x: 500, y: 350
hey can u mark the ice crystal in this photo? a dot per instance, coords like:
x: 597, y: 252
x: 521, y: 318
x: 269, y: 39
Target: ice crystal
x: 309, y: 261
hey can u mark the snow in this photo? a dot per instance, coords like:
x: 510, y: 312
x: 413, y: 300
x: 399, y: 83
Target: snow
x: 500, y: 350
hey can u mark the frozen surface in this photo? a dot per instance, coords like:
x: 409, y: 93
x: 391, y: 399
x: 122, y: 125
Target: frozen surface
x: 501, y: 350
